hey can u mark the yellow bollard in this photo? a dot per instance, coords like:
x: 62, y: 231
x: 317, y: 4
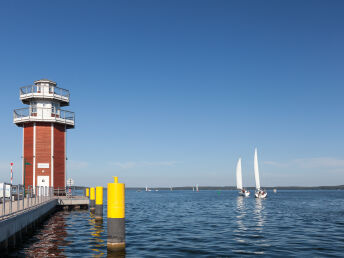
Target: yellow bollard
x: 87, y: 192
x: 99, y: 202
x: 116, y: 215
x: 92, y: 198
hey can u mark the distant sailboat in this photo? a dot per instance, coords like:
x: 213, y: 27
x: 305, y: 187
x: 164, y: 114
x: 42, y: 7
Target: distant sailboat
x: 147, y: 189
x: 242, y: 191
x: 193, y: 189
x: 197, y: 188
x: 259, y: 192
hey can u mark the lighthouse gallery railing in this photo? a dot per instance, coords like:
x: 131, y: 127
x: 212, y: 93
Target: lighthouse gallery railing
x: 31, y: 89
x: 43, y: 114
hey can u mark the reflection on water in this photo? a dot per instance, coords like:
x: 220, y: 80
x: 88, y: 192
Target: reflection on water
x: 50, y: 240
x: 97, y: 232
x: 240, y: 220
x: 241, y: 212
x: 260, y: 218
x: 259, y: 214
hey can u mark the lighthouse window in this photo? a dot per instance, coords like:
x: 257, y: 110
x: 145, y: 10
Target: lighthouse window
x: 54, y: 108
x: 33, y: 107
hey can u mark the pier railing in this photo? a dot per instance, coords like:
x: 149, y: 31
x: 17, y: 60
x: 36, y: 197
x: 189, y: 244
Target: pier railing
x: 70, y: 191
x: 15, y: 198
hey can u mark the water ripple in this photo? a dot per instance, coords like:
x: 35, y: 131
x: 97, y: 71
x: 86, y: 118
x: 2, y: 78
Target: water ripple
x: 207, y: 224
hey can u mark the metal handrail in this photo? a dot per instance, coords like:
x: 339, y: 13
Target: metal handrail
x: 69, y: 191
x: 37, y: 89
x: 18, y: 199
x: 39, y: 113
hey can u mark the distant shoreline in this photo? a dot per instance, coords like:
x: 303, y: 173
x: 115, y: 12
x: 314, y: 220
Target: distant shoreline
x: 336, y: 187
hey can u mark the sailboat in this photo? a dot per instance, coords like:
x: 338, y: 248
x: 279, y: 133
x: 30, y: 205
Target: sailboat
x: 197, y: 188
x: 260, y: 193
x: 242, y: 191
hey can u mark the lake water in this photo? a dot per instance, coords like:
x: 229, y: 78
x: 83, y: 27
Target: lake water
x: 204, y: 224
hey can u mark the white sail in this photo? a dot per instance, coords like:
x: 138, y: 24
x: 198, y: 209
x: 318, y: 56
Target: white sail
x: 256, y: 170
x: 239, y: 175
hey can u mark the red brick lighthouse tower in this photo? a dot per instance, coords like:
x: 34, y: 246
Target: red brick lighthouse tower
x: 45, y: 126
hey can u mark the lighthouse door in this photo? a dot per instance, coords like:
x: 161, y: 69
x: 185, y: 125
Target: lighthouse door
x: 43, y: 183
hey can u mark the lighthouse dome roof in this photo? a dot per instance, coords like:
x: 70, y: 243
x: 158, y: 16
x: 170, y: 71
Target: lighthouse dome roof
x: 45, y: 81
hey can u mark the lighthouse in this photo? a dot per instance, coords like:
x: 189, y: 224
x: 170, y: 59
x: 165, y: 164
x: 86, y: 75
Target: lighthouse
x: 45, y: 127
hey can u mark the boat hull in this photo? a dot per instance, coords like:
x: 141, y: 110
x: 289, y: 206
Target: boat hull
x: 261, y: 194
x: 245, y: 193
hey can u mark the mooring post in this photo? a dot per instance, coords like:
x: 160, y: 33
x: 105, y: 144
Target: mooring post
x: 87, y: 192
x: 116, y: 216
x: 99, y: 203
x: 92, y: 198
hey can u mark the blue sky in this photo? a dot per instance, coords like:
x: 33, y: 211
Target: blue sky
x: 174, y: 92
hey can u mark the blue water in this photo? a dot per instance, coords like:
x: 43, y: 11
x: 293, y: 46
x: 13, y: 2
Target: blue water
x: 204, y: 224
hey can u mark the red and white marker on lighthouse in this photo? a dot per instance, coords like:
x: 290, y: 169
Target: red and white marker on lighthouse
x: 11, y: 173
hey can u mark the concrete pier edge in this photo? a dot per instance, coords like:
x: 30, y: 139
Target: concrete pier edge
x: 17, y: 227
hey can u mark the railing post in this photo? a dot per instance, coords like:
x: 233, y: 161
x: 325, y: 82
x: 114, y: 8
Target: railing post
x: 3, y: 199
x: 31, y: 196
x: 27, y: 196
x: 11, y: 199
x: 23, y: 197
x: 18, y: 198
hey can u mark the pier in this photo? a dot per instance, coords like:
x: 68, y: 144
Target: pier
x: 21, y: 212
